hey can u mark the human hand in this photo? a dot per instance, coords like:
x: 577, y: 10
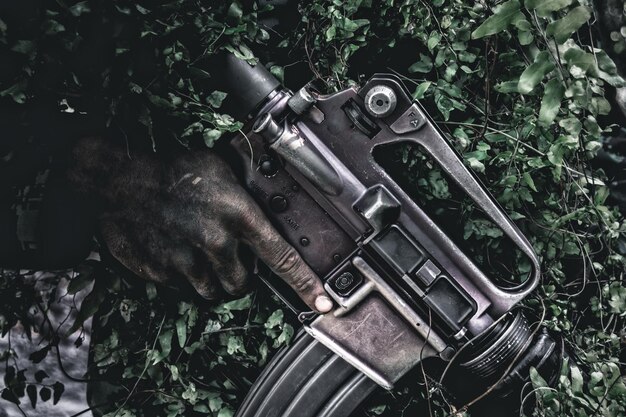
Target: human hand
x: 186, y: 217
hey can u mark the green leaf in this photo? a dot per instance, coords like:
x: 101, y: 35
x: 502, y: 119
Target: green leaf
x: 16, y: 91
x: 506, y: 87
x: 212, y: 326
x: 444, y: 104
x: 617, y: 299
x: 216, y: 98
x: 350, y: 25
x: 619, y: 389
x: 23, y: 47
x: 165, y: 341
x: 433, y: 40
x: 181, y: 331
x: 607, y: 70
x: 597, y: 64
x: 563, y: 28
x: 225, y: 121
x: 424, y: 65
x: 551, y: 101
x: 234, y: 11
x: 278, y: 72
x: 461, y: 135
x: 475, y: 164
x: 235, y: 344
x: 80, y: 8
x: 242, y: 52
x: 275, y: 320
x: 536, y: 379
x: 285, y: 336
x: 599, y: 105
x: 535, y: 72
x: 141, y: 9
x: 438, y: 185
x: 234, y: 305
x: 577, y: 379
x: 174, y: 409
x: 226, y: 412
x: 331, y: 32
x: 210, y: 136
x: 504, y: 15
x: 525, y: 37
x: 202, y: 408
x: 545, y: 7
x: 421, y: 89
x: 481, y: 228
x: 215, y: 403
x: 160, y: 102
x: 191, y: 394
x: 572, y: 125
x: 89, y: 306
x: 52, y: 27
x: 601, y: 195
x: 529, y: 181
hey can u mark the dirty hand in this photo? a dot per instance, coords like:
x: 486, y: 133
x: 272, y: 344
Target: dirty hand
x: 186, y: 217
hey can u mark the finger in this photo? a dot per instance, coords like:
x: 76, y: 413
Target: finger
x: 283, y: 259
x: 116, y: 236
x: 192, y: 266
x: 151, y: 255
x: 229, y: 267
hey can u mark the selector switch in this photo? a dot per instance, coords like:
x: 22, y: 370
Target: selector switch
x: 278, y: 203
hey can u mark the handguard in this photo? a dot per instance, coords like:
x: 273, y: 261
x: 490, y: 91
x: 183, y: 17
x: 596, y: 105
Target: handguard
x: 403, y: 290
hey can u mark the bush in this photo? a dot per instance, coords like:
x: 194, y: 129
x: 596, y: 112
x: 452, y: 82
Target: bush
x: 519, y: 88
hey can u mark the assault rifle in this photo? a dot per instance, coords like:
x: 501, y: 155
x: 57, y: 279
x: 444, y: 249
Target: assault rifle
x: 403, y: 290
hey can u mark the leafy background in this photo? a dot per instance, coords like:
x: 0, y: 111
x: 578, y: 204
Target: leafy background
x: 521, y: 89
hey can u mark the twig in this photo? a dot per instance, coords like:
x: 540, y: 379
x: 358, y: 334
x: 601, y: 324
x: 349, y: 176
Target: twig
x: 145, y: 368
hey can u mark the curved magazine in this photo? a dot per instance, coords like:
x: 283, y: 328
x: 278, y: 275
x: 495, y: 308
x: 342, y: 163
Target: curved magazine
x: 307, y: 380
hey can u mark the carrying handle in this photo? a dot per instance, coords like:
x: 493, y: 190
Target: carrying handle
x: 414, y: 126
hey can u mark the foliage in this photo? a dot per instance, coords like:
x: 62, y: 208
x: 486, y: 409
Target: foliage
x: 185, y: 358
x: 143, y: 62
x: 601, y: 394
x: 519, y: 87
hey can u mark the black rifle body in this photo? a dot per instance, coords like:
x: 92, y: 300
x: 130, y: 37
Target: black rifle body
x: 403, y: 290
